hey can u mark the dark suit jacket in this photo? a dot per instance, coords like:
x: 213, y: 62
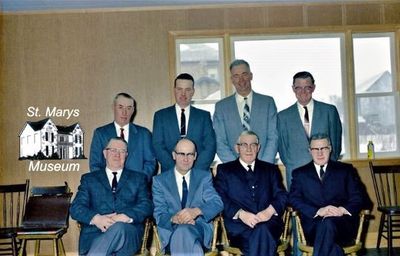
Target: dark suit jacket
x: 141, y: 156
x: 293, y: 141
x: 234, y: 190
x: 263, y: 121
x: 95, y: 197
x: 167, y: 203
x: 341, y: 186
x: 166, y: 134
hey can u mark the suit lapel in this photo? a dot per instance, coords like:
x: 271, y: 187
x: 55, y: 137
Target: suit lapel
x: 173, y: 118
x: 170, y: 182
x: 235, y: 120
x: 192, y: 120
x: 133, y: 140
x: 194, y: 184
x: 298, y: 124
x: 123, y: 179
x: 102, y: 177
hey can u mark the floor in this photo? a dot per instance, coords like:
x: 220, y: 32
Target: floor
x: 381, y: 252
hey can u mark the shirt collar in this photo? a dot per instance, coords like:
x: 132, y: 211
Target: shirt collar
x: 246, y: 165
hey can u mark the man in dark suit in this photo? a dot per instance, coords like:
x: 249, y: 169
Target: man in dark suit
x: 141, y: 156
x: 111, y: 205
x: 300, y: 121
x: 245, y: 110
x: 329, y: 196
x: 185, y: 202
x: 183, y: 120
x: 254, y: 199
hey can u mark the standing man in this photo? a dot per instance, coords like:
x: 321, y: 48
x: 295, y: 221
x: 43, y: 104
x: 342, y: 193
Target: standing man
x: 185, y: 202
x: 300, y: 121
x: 329, y: 197
x: 245, y: 110
x: 111, y: 205
x: 141, y: 156
x: 183, y: 121
x: 254, y: 199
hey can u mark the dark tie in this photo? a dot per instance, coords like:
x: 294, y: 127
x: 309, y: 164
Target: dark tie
x: 306, y: 121
x: 321, y: 172
x: 122, y: 135
x: 114, y: 182
x: 184, y: 192
x: 183, y: 123
x: 246, y: 115
x: 251, y: 180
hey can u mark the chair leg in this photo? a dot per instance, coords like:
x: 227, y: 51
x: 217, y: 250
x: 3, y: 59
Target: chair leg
x: 37, y: 248
x: 389, y: 234
x: 14, y: 246
x: 380, y: 231
x: 55, y: 247
x: 22, y: 249
x: 61, y: 247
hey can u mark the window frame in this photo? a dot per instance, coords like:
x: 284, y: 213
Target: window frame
x: 348, y: 90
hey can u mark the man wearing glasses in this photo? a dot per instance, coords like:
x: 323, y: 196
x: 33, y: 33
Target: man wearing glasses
x: 300, y: 121
x: 111, y: 205
x: 185, y: 202
x: 329, y: 196
x: 254, y: 199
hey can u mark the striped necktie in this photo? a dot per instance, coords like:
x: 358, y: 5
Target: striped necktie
x: 246, y: 115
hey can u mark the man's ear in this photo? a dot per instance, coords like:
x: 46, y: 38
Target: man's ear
x: 237, y: 148
x: 173, y: 155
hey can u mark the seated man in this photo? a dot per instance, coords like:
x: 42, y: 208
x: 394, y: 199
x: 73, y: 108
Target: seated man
x: 254, y: 199
x: 185, y: 202
x: 111, y: 205
x: 329, y: 196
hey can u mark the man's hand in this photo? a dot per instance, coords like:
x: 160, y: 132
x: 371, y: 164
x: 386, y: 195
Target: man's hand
x: 331, y: 211
x: 103, y: 222
x: 249, y: 218
x: 186, y: 216
x: 266, y: 214
x: 121, y: 217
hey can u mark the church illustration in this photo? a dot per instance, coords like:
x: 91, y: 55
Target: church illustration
x: 44, y: 140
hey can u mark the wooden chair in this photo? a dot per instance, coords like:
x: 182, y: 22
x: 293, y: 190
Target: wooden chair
x: 144, y: 251
x: 46, y: 218
x: 348, y: 250
x: 212, y: 252
x: 12, y: 207
x: 284, y: 240
x: 385, y: 179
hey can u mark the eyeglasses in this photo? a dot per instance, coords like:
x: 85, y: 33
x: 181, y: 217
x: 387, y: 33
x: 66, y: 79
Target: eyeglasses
x: 246, y: 146
x: 305, y: 88
x: 320, y: 149
x: 117, y: 151
x: 183, y: 154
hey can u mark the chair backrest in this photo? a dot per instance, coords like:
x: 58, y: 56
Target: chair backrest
x: 385, y: 179
x: 48, y: 207
x: 12, y: 204
x: 50, y: 190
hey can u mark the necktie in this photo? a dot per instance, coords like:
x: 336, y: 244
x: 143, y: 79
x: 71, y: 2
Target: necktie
x: 321, y: 172
x: 306, y: 121
x: 251, y: 180
x: 246, y: 115
x: 183, y: 123
x: 184, y: 192
x: 122, y: 135
x: 114, y: 182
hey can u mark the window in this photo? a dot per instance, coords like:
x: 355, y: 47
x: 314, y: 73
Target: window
x: 376, y: 98
x: 330, y: 57
x: 203, y: 59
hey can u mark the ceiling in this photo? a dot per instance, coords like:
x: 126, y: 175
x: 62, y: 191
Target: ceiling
x: 51, y: 5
